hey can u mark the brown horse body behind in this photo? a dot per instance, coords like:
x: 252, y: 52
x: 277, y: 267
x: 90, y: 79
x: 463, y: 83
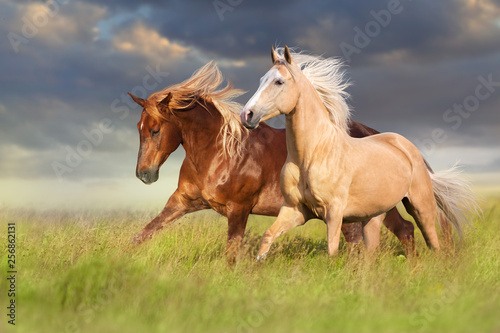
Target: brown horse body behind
x: 234, y: 185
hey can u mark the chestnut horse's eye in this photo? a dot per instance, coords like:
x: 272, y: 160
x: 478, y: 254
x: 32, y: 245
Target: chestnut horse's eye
x: 154, y: 133
x: 279, y: 82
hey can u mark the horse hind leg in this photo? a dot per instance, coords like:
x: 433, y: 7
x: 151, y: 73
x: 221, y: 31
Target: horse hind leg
x: 353, y: 234
x: 403, y: 229
x: 422, y: 207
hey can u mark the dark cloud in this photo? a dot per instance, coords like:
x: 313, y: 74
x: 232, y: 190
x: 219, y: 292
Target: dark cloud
x: 421, y: 30
x: 412, y: 97
x: 65, y: 80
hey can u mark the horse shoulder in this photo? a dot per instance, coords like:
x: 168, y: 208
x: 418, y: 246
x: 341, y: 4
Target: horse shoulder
x: 188, y: 180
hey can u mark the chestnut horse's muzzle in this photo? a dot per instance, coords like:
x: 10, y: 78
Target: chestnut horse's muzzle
x: 148, y: 176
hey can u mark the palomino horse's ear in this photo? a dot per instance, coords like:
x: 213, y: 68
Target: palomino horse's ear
x: 288, y: 56
x: 138, y: 100
x: 274, y: 55
x: 164, y: 102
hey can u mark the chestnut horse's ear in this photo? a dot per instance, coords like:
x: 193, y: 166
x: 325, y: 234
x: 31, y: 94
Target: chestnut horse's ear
x: 138, y: 100
x: 288, y: 56
x: 274, y: 55
x: 166, y: 100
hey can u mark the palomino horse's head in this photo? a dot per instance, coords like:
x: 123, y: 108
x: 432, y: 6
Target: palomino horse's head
x: 160, y: 136
x: 277, y: 94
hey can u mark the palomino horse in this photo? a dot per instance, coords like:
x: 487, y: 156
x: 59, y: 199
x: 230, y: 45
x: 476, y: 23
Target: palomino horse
x: 336, y: 177
x: 227, y: 168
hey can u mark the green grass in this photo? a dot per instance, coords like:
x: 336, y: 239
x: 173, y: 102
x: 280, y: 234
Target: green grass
x: 78, y: 272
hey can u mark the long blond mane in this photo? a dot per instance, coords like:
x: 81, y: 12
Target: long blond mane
x: 327, y: 75
x: 201, y: 88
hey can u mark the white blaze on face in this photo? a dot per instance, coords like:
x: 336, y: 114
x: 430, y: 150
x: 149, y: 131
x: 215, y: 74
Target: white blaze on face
x: 265, y: 81
x: 142, y: 125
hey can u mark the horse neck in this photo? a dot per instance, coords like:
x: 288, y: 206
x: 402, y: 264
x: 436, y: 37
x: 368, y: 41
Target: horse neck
x: 200, y: 130
x: 309, y: 129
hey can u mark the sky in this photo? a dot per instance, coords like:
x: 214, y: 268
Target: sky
x: 428, y: 70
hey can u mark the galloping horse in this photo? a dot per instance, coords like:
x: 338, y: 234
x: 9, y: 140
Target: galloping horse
x: 336, y: 177
x: 227, y: 168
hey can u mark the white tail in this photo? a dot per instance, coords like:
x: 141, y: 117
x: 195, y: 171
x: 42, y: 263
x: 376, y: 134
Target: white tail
x: 454, y: 197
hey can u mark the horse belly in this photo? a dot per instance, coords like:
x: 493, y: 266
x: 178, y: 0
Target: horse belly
x: 376, y: 190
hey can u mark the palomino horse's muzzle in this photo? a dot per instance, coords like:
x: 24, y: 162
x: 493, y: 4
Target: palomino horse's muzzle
x: 249, y: 119
x: 148, y: 176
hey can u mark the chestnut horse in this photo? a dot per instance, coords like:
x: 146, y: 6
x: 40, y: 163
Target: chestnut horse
x: 227, y: 168
x: 338, y: 178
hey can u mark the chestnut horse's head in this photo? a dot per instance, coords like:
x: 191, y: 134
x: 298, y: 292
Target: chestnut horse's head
x: 160, y: 136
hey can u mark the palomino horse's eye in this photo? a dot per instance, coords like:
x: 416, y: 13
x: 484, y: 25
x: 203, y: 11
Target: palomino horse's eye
x: 154, y: 133
x: 279, y: 82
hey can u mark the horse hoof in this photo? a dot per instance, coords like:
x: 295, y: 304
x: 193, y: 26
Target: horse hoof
x: 261, y: 257
x: 137, y: 239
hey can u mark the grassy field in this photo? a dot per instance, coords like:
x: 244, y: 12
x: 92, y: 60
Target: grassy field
x: 78, y: 272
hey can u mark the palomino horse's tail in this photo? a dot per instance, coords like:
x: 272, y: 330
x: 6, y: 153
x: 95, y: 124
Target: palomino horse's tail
x: 454, y: 198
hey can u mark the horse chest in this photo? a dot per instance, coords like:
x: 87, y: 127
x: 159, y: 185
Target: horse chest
x: 299, y: 187
x: 314, y: 201
x: 315, y: 190
x: 290, y: 183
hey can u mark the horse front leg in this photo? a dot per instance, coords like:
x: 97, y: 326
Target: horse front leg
x: 176, y: 207
x: 237, y: 217
x: 289, y: 217
x: 371, y: 232
x: 333, y: 222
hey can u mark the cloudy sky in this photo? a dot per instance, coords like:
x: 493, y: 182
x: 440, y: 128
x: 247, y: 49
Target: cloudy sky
x: 428, y: 70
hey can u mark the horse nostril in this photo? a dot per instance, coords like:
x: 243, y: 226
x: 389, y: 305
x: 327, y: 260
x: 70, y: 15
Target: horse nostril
x: 250, y: 115
x: 144, y: 176
x: 148, y: 176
